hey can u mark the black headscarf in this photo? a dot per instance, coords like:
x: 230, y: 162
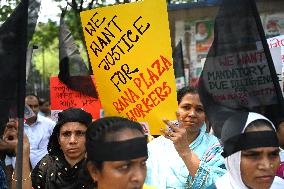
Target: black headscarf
x: 68, y: 115
x: 53, y: 171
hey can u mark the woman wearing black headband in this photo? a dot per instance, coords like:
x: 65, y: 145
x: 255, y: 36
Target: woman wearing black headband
x: 116, y: 153
x: 61, y: 167
x: 251, y: 152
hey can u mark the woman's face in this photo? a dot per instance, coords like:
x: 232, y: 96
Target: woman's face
x: 258, y: 166
x: 121, y: 174
x: 72, y: 140
x: 191, y: 112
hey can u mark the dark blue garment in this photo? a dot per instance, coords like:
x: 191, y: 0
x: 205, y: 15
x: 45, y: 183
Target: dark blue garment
x: 3, y: 181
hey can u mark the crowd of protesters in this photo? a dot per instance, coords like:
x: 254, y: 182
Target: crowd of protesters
x: 113, y: 152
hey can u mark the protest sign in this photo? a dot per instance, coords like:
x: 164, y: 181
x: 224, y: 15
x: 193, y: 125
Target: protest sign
x: 62, y: 97
x: 276, y: 57
x: 130, y: 52
x: 239, y: 74
x: 277, y: 42
x: 239, y: 78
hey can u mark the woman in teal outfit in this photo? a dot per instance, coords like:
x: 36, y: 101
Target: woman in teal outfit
x: 187, y: 156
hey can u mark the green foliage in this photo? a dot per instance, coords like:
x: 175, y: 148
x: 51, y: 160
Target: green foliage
x: 7, y: 9
x: 73, y: 21
x: 5, y: 12
x: 46, y: 59
x: 80, y: 5
x: 34, y: 80
x: 45, y: 34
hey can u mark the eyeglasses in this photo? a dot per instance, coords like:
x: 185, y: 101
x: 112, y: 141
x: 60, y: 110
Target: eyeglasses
x: 68, y: 134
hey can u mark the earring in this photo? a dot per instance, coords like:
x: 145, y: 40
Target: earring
x: 271, y: 165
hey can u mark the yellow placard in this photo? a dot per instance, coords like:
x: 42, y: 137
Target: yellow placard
x: 130, y: 51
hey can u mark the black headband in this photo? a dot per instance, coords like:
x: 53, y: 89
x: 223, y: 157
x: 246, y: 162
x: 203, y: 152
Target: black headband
x: 250, y: 140
x: 118, y: 150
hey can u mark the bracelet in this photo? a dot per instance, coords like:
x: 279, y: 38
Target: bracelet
x: 23, y: 180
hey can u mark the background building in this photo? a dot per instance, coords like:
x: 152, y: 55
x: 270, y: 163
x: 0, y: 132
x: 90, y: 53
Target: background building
x: 193, y: 24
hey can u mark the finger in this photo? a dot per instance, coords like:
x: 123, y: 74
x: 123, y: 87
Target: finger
x: 11, y: 130
x: 166, y: 121
x: 174, y: 127
x: 166, y: 133
x: 179, y: 118
x: 12, y: 124
x: 10, y: 135
x: 10, y: 139
x: 170, y: 124
x: 9, y: 126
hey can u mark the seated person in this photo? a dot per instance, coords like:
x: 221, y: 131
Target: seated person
x: 63, y: 164
x: 117, y: 153
x: 251, y: 152
x: 187, y: 156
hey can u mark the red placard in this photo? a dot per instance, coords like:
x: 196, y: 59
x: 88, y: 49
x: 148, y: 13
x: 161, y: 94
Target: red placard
x: 61, y: 98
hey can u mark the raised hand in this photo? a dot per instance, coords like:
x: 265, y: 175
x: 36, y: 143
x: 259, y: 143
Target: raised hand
x: 10, y: 137
x: 178, y: 135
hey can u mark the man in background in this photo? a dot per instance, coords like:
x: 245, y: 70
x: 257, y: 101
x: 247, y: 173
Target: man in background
x: 201, y: 31
x: 44, y: 107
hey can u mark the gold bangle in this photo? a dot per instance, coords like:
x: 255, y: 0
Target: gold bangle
x: 23, y: 180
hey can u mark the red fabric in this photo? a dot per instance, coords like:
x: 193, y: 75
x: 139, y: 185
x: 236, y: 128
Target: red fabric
x: 280, y: 170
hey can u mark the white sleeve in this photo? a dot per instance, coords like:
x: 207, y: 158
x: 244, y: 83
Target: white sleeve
x: 8, y: 160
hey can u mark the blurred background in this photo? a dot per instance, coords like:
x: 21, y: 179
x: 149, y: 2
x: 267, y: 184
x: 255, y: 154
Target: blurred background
x: 191, y: 26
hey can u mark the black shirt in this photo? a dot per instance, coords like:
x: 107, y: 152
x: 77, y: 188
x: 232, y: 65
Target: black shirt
x: 54, y: 172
